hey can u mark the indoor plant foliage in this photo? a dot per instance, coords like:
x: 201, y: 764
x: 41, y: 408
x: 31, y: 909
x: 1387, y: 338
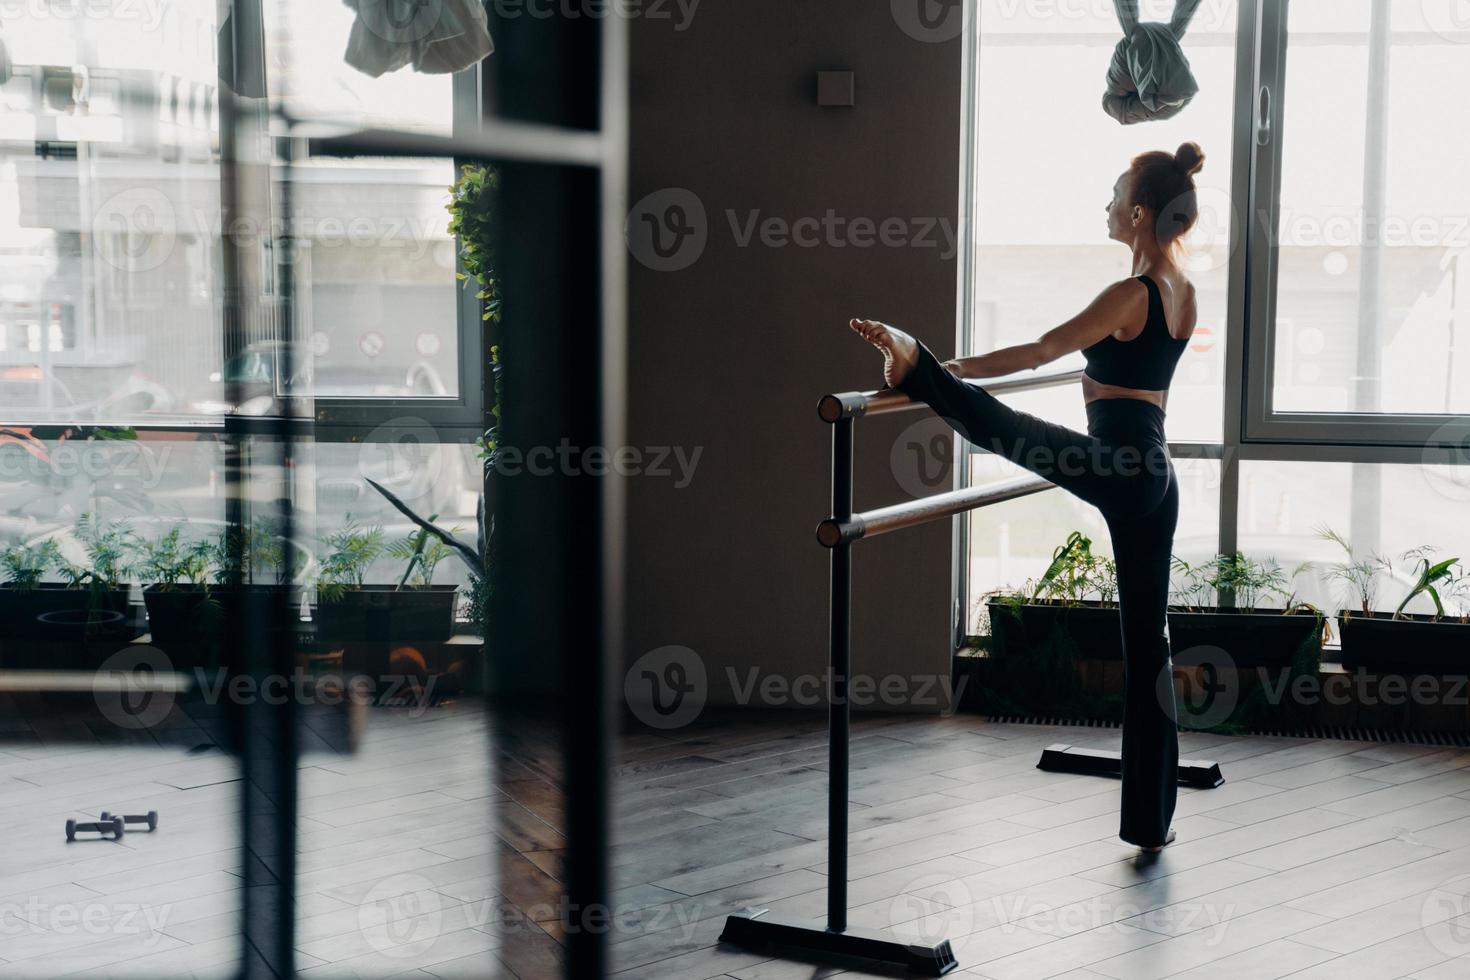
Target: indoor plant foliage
x: 183, y: 616
x: 25, y: 565
x: 1400, y: 641
x: 1076, y: 595
x: 473, y: 205
x: 91, y: 600
x: 1041, y: 632
x: 1246, y: 607
x: 352, y: 609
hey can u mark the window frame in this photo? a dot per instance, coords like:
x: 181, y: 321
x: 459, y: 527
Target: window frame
x: 1436, y: 435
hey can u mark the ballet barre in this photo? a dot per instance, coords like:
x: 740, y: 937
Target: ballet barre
x: 838, y: 533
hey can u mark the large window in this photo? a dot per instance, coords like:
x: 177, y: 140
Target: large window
x: 1359, y: 331
x: 1328, y: 374
x: 1044, y: 168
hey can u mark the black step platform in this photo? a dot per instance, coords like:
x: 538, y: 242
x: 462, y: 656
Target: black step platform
x: 1101, y: 762
x: 751, y: 928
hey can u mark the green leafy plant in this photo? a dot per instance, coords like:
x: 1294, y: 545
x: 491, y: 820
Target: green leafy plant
x: 349, y: 552
x: 25, y: 565
x: 472, y: 205
x: 1249, y: 581
x: 423, y: 553
x: 111, y: 549
x: 1075, y: 573
x: 1428, y: 576
x: 1456, y: 594
x: 1358, y: 575
x: 473, y: 202
x: 1192, y: 591
x: 170, y: 561
x: 476, y: 558
x: 237, y: 554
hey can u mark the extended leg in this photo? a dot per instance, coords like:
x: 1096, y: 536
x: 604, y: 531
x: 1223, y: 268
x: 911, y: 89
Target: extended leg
x: 1142, y: 548
x: 1072, y: 460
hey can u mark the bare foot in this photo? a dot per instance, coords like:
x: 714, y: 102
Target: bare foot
x: 900, y: 351
x: 1154, y: 850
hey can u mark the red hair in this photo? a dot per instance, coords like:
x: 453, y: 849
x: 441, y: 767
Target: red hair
x: 1163, y: 184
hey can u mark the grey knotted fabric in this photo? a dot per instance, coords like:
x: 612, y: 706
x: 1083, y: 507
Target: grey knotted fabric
x: 437, y: 37
x: 1149, y: 77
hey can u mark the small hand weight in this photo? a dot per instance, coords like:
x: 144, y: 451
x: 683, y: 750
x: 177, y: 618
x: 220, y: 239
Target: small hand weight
x: 150, y: 818
x: 105, y: 826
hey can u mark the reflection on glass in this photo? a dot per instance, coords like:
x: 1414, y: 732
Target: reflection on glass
x: 376, y: 295
x: 110, y: 229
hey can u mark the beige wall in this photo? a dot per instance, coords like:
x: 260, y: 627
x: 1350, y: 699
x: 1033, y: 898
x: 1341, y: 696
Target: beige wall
x: 729, y: 355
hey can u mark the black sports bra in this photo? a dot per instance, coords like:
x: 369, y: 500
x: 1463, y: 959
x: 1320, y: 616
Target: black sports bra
x: 1147, y: 361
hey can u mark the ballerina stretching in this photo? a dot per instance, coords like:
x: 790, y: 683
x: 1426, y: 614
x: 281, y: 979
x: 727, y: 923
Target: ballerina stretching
x: 1132, y: 336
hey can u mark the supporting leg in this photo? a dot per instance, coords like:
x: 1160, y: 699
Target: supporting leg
x: 1150, y: 756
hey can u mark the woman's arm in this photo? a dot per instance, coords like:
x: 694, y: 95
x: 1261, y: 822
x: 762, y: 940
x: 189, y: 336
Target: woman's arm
x: 1123, y: 303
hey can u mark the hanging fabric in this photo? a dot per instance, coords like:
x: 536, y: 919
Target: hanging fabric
x: 436, y: 37
x: 1149, y: 77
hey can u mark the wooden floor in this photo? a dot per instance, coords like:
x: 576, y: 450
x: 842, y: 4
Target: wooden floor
x: 1317, y: 859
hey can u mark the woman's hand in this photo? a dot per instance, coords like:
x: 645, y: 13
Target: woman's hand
x: 956, y: 367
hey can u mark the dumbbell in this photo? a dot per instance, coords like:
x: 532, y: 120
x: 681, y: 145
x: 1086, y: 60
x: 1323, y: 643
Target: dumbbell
x: 108, y: 825
x: 150, y: 818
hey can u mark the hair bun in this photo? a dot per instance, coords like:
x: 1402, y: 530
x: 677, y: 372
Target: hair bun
x: 1189, y: 157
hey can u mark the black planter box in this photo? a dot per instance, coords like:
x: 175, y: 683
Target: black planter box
x: 52, y: 611
x: 1250, y: 639
x: 1093, y: 628
x: 386, y: 614
x: 189, y: 623
x: 58, y: 628
x: 1411, y: 644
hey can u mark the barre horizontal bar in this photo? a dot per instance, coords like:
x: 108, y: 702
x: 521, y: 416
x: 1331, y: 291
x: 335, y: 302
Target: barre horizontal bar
x: 496, y: 140
x: 90, y: 682
x: 831, y: 533
x: 853, y: 404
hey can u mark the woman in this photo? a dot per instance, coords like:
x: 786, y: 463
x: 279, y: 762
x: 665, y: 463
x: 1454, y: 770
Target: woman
x: 1132, y: 335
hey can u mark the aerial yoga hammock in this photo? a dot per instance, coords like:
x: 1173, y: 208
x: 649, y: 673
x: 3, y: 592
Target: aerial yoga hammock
x: 1149, y: 77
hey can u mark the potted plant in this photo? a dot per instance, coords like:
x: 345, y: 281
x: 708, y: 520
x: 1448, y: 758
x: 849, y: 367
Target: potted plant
x: 1250, y: 632
x: 1403, y: 642
x: 412, y: 609
x: 1076, y: 596
x: 185, y: 617
x: 22, y: 601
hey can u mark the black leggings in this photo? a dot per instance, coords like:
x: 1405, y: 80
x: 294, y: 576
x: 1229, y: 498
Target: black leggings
x: 1122, y: 467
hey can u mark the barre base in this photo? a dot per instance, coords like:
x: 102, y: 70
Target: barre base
x: 751, y: 929
x: 1196, y: 773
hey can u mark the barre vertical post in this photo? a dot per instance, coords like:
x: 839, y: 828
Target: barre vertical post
x: 838, y: 715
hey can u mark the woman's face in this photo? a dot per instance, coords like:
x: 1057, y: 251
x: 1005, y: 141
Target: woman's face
x: 1121, y: 221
